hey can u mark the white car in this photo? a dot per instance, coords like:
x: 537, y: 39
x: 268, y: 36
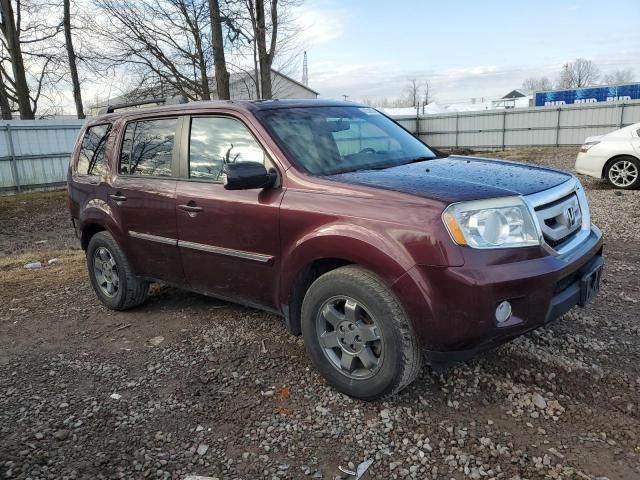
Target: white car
x: 614, y: 156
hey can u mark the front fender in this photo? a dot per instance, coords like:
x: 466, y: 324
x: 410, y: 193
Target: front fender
x: 351, y: 243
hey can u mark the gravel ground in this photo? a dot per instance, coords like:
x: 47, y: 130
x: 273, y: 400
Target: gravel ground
x: 188, y: 385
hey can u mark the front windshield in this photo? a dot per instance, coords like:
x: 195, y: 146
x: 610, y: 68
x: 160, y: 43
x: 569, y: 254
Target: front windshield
x: 330, y: 140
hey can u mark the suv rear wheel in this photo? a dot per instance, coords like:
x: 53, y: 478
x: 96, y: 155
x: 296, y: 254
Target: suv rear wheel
x: 357, y: 334
x: 111, y: 276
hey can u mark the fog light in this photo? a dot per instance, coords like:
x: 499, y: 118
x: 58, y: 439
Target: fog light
x: 503, y: 312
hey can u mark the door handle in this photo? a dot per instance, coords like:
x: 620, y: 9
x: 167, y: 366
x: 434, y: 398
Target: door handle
x: 118, y: 197
x: 190, y: 208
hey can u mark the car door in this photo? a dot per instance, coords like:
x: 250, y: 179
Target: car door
x: 229, y: 240
x: 142, y: 197
x: 635, y: 140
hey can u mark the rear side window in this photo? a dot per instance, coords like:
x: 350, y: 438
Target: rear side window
x: 215, y: 141
x: 93, y: 159
x: 147, y: 149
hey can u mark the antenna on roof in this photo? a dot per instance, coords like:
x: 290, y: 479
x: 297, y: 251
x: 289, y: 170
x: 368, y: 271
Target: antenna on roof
x: 305, y: 71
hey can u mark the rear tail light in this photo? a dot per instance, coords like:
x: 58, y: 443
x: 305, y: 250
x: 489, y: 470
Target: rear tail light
x: 587, y: 146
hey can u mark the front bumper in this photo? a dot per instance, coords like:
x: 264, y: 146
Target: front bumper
x: 461, y: 301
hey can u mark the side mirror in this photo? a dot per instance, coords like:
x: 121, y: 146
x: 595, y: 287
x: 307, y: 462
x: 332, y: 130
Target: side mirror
x: 247, y: 175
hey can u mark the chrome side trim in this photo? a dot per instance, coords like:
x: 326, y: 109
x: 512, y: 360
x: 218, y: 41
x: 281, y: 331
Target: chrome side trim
x: 153, y: 238
x: 551, y: 195
x: 229, y: 252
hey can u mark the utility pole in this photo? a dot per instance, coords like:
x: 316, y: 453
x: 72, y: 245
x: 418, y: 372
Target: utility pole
x: 305, y: 71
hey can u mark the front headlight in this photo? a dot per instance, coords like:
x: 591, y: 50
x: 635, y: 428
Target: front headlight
x: 494, y: 223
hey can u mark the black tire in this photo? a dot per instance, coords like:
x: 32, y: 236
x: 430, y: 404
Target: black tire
x: 130, y: 291
x: 399, y: 361
x: 613, y: 173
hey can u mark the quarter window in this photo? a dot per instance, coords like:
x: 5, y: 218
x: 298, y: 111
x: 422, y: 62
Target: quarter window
x: 147, y: 148
x: 93, y: 159
x: 215, y: 141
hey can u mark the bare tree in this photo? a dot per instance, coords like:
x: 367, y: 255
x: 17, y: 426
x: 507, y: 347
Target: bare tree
x: 413, y: 91
x: 537, y: 84
x: 71, y: 56
x: 30, y: 70
x: 10, y: 27
x: 619, y: 77
x: 427, y: 92
x: 5, y: 107
x: 163, y: 42
x: 579, y: 73
x: 265, y: 57
x: 222, y: 75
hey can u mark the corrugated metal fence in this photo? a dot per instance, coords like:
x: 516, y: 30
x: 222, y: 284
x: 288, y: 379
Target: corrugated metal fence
x: 522, y: 127
x: 35, y: 154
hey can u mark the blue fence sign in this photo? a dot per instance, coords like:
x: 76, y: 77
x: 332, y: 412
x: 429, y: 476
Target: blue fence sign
x: 615, y: 93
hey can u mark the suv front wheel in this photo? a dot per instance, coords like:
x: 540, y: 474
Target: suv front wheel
x: 357, y: 334
x: 111, y: 276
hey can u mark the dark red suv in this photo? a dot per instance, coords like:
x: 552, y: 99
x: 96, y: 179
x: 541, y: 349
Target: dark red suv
x: 378, y: 249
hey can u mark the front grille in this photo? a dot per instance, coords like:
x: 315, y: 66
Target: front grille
x: 560, y: 220
x: 562, y: 241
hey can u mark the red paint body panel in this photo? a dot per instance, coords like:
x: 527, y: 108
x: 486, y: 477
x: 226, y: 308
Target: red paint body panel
x: 251, y: 245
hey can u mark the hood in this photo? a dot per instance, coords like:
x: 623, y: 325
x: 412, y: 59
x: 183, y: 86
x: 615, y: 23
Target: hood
x: 456, y: 179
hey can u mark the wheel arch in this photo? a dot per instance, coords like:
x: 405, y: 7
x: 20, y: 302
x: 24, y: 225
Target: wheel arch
x: 319, y: 255
x: 88, y: 231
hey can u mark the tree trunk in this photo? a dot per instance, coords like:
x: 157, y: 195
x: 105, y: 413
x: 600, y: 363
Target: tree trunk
x: 256, y: 70
x: 222, y: 76
x: 202, y: 65
x: 5, y: 108
x: 15, y: 53
x: 263, y: 56
x: 71, y: 54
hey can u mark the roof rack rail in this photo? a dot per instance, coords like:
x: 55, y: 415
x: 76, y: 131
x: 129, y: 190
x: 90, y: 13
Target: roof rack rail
x: 156, y: 101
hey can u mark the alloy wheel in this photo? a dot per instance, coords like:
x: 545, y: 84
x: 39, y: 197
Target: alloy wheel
x: 623, y: 173
x: 105, y: 271
x: 350, y: 337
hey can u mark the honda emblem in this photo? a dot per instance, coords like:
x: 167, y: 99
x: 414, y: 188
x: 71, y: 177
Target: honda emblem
x: 570, y: 215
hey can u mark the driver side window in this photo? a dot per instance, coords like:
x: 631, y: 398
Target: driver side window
x: 214, y: 141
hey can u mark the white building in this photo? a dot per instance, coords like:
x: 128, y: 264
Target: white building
x: 241, y: 87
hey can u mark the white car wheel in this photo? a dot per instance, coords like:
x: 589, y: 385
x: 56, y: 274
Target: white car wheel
x: 624, y: 172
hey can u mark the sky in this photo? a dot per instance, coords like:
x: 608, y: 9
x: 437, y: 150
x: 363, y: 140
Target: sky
x: 368, y: 49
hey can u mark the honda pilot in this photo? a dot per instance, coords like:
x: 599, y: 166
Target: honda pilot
x: 379, y: 250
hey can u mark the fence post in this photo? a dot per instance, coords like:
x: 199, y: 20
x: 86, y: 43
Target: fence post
x: 620, y: 122
x: 456, y: 129
x: 12, y: 154
x: 558, y: 128
x: 504, y: 125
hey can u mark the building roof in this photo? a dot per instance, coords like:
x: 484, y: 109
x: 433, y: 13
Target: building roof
x: 300, y: 84
x: 235, y: 77
x: 518, y: 93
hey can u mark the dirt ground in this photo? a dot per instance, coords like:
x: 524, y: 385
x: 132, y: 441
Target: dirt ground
x: 188, y: 385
